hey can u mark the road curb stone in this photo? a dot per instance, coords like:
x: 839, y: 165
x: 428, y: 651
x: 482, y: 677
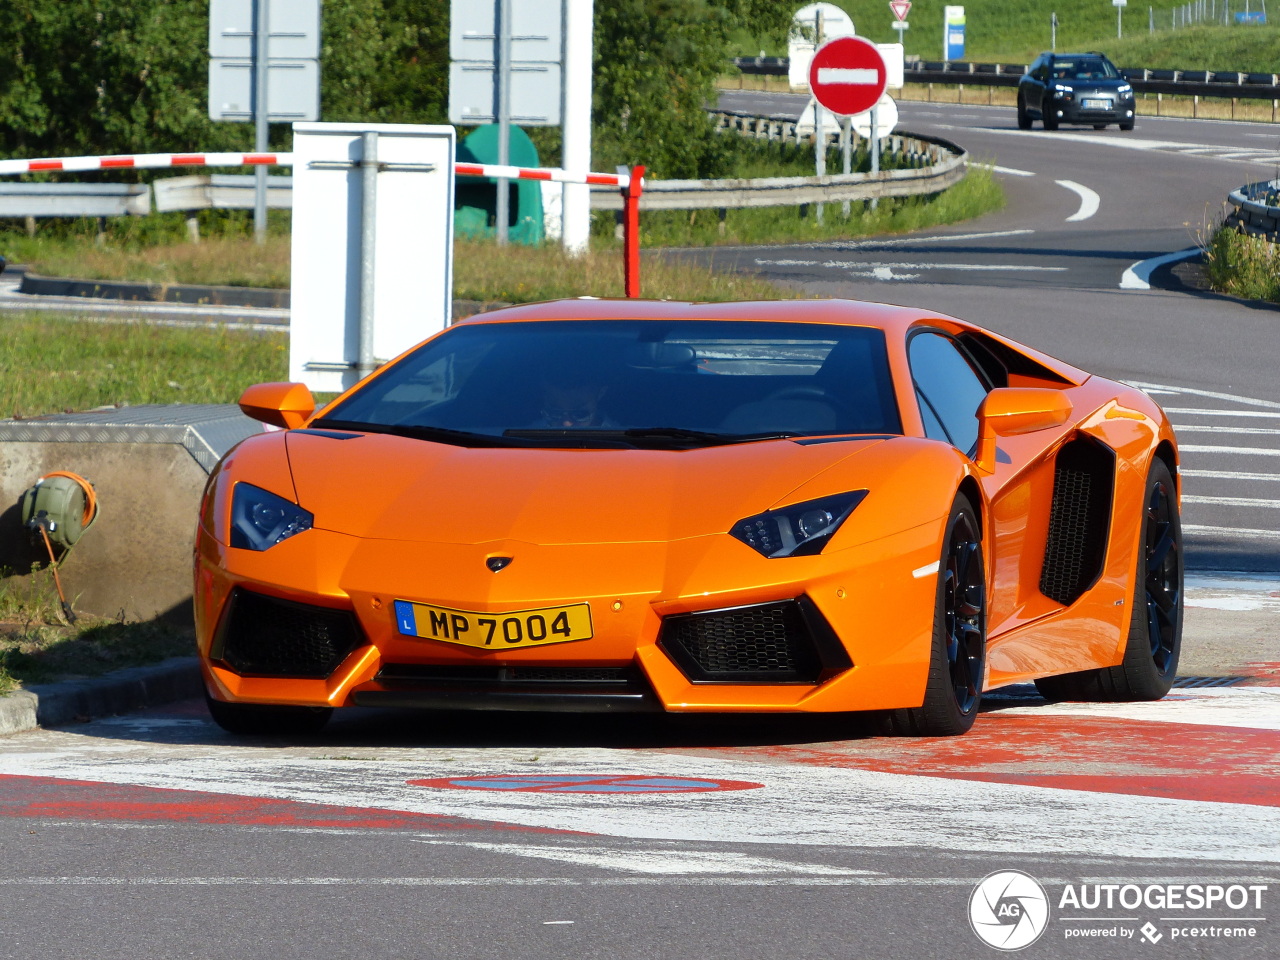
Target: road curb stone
x: 121, y: 691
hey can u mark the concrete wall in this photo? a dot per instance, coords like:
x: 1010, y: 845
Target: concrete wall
x: 136, y: 560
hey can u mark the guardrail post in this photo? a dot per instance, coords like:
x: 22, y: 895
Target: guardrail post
x: 631, y: 232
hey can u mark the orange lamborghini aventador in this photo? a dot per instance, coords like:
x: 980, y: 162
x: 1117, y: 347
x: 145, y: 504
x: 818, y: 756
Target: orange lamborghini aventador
x: 595, y: 505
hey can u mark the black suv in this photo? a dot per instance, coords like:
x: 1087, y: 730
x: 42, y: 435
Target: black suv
x: 1074, y: 88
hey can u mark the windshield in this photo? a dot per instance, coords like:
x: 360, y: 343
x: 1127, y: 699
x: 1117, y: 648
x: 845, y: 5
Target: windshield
x: 632, y: 383
x: 1086, y: 68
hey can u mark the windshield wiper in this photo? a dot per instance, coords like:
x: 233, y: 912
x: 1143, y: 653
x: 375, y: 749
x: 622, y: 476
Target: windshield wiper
x: 459, y: 438
x: 638, y: 435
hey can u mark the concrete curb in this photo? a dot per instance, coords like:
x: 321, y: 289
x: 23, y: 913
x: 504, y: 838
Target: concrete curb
x: 121, y: 691
x: 154, y: 292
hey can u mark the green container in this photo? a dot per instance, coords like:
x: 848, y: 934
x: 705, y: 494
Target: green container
x: 475, y: 205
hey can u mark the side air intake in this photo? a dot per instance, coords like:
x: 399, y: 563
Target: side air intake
x: 1079, y: 519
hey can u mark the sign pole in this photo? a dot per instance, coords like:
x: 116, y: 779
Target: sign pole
x: 846, y: 147
x: 365, y: 363
x: 260, y: 115
x: 503, y: 212
x: 819, y: 118
x: 875, y: 149
x: 575, y: 230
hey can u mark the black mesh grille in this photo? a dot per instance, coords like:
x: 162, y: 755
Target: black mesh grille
x: 265, y: 636
x: 770, y: 642
x: 1079, y: 520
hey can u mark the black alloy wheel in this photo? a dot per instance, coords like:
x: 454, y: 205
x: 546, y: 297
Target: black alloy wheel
x: 1161, y: 585
x: 957, y: 666
x: 1048, y: 116
x: 1024, y: 118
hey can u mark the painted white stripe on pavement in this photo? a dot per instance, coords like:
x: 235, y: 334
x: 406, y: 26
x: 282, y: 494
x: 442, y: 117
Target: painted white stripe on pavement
x: 1211, y: 394
x: 1229, y: 475
x: 1009, y: 171
x: 866, y: 264
x: 1253, y: 707
x: 679, y: 862
x: 903, y: 241
x: 858, y: 76
x: 553, y: 882
x: 1088, y: 200
x: 1221, y: 428
x: 1219, y: 412
x: 1239, y: 533
x: 1138, y: 275
x: 1244, y: 451
x: 800, y: 803
x: 1234, y: 502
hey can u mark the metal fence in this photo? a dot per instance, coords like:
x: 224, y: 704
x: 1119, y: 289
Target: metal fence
x: 1224, y: 12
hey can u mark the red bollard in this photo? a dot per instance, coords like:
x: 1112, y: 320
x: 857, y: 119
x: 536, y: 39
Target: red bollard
x: 631, y: 233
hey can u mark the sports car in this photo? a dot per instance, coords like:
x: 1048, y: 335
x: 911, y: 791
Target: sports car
x: 791, y: 506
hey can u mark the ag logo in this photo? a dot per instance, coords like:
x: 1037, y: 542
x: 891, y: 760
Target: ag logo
x: 1009, y: 910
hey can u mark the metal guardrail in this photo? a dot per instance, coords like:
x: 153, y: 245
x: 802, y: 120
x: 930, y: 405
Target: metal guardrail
x: 1257, y: 208
x: 220, y: 191
x: 74, y: 199
x: 930, y: 164
x: 1232, y: 84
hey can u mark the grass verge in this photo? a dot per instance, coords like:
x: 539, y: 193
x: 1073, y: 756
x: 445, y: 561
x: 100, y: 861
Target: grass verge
x: 1242, y: 265
x: 36, y: 646
x: 53, y: 364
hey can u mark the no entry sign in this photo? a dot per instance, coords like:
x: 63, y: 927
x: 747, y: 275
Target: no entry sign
x: 848, y: 75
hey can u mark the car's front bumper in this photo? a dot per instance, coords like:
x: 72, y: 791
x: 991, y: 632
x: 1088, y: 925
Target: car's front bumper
x: 1093, y: 108
x: 878, y: 611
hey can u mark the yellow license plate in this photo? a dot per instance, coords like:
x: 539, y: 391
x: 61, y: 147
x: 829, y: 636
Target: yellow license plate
x: 495, y: 631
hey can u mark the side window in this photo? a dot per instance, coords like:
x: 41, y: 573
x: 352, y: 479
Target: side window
x: 950, y: 388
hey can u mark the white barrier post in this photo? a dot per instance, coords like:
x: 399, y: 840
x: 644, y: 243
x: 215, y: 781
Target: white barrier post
x: 575, y: 230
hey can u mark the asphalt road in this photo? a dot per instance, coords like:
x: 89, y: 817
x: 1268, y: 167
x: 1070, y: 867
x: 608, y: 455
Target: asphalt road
x: 1084, y: 207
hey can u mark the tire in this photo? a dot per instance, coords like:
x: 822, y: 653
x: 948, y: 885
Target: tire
x: 1155, y: 621
x: 1050, y: 121
x: 957, y: 662
x: 254, y: 719
x: 1024, y: 118
x: 1099, y: 126
x: 1126, y: 126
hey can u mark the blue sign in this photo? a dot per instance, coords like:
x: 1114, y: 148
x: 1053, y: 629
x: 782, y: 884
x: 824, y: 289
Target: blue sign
x: 953, y: 33
x: 1252, y: 16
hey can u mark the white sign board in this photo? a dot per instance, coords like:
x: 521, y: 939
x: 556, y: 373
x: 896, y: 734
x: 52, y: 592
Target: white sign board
x: 535, y: 94
x: 886, y: 119
x: 293, y: 29
x: 831, y: 20
x: 413, y: 266
x: 293, y: 90
x: 537, y: 56
x: 894, y: 66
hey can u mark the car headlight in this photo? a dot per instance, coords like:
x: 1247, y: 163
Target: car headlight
x: 1062, y: 88
x: 260, y: 519
x: 1124, y: 88
x: 799, y: 530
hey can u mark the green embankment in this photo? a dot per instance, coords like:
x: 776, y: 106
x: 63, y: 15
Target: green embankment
x: 1015, y: 31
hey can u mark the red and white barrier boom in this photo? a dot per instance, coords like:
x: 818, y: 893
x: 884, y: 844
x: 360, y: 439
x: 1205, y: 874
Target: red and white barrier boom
x: 631, y: 184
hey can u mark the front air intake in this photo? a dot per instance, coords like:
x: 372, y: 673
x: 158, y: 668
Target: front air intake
x: 788, y: 641
x: 269, y: 637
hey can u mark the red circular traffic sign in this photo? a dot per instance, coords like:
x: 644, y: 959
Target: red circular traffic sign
x: 848, y: 75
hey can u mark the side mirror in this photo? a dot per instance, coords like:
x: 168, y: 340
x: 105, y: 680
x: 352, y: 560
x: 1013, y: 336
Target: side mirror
x: 1010, y: 411
x: 284, y: 405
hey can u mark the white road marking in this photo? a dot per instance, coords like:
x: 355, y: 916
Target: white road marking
x: 1218, y: 412
x: 1088, y: 200
x: 1009, y: 171
x: 927, y: 569
x: 1197, y: 151
x: 1243, y: 451
x: 1234, y: 502
x: 865, y: 264
x: 1240, y: 533
x: 1212, y: 394
x: 904, y: 241
x: 1138, y: 275
x: 1221, y: 428
x: 559, y: 881
x: 682, y: 862
x: 800, y: 803
x: 1251, y: 707
x: 1229, y: 475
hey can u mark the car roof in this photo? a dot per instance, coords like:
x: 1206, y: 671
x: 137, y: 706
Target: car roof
x: 852, y: 312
